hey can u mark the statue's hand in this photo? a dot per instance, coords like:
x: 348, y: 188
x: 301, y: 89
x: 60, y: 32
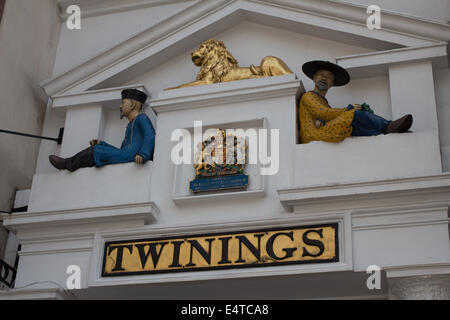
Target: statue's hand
x: 94, y: 142
x: 319, y: 123
x: 138, y: 159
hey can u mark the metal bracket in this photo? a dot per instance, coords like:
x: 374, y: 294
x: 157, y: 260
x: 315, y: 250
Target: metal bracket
x: 58, y: 140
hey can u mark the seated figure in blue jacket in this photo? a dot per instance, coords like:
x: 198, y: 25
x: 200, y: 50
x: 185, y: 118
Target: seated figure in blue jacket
x: 137, y: 146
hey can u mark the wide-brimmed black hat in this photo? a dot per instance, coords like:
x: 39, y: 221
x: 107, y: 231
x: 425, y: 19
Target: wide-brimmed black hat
x: 341, y: 76
x: 135, y: 95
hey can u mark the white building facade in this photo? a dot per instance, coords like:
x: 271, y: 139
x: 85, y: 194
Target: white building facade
x: 386, y: 199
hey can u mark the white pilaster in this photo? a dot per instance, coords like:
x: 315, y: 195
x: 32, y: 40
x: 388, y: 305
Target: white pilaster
x: 83, y: 124
x: 412, y: 92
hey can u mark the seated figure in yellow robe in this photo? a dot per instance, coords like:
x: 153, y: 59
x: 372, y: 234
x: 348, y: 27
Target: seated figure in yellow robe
x: 320, y: 122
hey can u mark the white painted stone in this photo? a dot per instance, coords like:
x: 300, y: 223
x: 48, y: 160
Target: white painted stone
x: 91, y: 187
x: 140, y: 213
x: 442, y: 83
x: 94, y: 36
x: 413, y: 92
x: 83, y: 124
x: 401, y: 245
x: 395, y: 223
x: 35, y: 294
x: 417, y: 270
x: 376, y: 194
x: 52, y: 124
x: 110, y: 97
x: 360, y: 159
x: 445, y: 159
x: 377, y: 63
x: 436, y: 10
x: 22, y: 198
x: 54, y: 276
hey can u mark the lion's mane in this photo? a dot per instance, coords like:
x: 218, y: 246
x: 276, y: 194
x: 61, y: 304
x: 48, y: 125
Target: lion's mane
x: 218, y: 62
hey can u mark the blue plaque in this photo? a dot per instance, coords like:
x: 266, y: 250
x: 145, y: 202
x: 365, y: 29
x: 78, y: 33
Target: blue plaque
x: 237, y: 181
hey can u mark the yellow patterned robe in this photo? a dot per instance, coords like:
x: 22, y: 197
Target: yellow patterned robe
x: 338, y: 120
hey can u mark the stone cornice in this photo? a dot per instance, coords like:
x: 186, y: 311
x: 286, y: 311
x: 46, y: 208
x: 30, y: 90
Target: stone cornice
x: 226, y: 93
x: 37, y: 293
x: 435, y: 268
x: 377, y: 63
x: 373, y: 193
x: 393, y: 21
x: 147, y: 212
x: 94, y: 8
x: 94, y: 96
x: 196, y: 18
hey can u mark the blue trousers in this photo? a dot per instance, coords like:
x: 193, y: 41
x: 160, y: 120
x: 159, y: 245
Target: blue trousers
x: 368, y: 124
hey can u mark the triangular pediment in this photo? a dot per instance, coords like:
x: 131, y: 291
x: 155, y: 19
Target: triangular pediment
x: 203, y: 19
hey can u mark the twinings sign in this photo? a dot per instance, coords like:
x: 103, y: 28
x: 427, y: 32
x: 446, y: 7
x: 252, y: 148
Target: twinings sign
x: 312, y: 244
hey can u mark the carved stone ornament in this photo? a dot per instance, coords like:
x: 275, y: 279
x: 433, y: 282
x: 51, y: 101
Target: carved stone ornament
x: 213, y: 158
x: 220, y: 163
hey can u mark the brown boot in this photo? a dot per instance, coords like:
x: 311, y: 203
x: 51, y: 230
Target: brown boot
x: 400, y: 126
x: 57, y: 162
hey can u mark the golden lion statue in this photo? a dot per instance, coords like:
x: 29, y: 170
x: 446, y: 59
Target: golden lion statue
x: 218, y: 65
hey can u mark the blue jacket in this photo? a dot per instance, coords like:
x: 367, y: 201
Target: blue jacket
x: 139, y: 140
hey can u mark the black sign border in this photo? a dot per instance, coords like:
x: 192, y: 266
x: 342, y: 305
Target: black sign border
x: 259, y: 265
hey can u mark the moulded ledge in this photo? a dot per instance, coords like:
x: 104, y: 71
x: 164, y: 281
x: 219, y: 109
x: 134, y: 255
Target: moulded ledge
x: 418, y: 270
x: 103, y: 96
x: 222, y: 195
x: 227, y: 93
x: 35, y: 294
x: 146, y: 212
x: 374, y: 193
